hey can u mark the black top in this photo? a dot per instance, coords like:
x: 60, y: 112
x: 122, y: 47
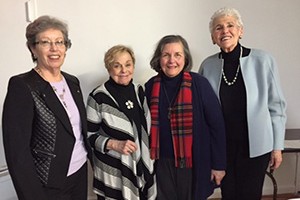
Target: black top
x: 123, y: 93
x: 169, y: 88
x: 233, y: 97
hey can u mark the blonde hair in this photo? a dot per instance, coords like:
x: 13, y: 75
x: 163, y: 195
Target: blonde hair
x: 109, y: 57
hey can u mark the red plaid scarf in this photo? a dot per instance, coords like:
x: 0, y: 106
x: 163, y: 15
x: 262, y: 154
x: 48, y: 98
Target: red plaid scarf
x: 181, y: 122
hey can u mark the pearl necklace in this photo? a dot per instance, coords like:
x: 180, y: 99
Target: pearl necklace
x: 236, y: 74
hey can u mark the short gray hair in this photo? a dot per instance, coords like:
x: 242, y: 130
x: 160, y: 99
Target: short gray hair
x: 226, y: 12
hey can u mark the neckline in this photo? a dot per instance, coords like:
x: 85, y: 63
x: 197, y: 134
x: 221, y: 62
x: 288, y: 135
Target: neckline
x: 230, y: 83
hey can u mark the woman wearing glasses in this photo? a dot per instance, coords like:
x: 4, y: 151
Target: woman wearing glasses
x: 44, y: 121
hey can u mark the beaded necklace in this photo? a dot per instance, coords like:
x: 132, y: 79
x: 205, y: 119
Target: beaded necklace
x: 236, y: 74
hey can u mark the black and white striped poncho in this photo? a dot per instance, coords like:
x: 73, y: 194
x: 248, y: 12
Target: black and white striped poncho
x: 118, y: 176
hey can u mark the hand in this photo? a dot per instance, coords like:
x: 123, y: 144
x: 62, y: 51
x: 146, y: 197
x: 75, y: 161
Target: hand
x: 122, y: 146
x: 217, y: 176
x: 276, y: 159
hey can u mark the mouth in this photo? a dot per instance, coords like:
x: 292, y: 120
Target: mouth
x: 54, y: 57
x: 225, y: 38
x: 172, y: 66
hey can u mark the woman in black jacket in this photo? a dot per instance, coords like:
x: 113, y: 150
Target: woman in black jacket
x: 44, y: 121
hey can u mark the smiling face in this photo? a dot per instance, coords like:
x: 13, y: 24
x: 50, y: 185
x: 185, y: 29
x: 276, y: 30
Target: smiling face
x: 121, y: 70
x: 226, y: 32
x: 172, y: 59
x: 50, y: 49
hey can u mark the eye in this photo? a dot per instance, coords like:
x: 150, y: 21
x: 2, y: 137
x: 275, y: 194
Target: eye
x: 178, y: 55
x: 45, y: 43
x: 165, y: 55
x: 230, y: 25
x: 60, y: 43
x: 116, y: 65
x: 217, y: 28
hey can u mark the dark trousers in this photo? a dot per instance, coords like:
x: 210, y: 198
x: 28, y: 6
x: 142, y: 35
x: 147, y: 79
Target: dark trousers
x: 172, y: 183
x: 245, y: 176
x: 75, y: 187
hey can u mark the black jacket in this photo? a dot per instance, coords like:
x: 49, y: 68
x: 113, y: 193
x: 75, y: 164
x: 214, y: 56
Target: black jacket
x: 38, y: 158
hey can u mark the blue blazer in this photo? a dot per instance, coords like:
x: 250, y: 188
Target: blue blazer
x: 266, y: 106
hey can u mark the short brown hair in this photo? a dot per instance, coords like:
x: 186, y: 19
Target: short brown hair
x: 42, y: 24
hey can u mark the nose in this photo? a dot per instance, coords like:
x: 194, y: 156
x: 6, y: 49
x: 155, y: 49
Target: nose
x: 53, y: 46
x: 171, y: 58
x: 123, y: 68
x: 225, y: 29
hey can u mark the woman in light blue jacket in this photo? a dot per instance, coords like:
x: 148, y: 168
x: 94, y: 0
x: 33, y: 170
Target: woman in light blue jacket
x: 247, y: 84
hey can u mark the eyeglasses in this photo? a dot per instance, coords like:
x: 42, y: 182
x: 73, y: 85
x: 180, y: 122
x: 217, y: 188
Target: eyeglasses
x: 47, y: 44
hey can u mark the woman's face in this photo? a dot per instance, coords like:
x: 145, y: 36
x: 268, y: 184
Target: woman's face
x: 172, y: 59
x: 50, y: 49
x: 121, y: 70
x: 226, y: 33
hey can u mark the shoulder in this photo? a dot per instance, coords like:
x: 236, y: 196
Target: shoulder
x: 198, y: 78
x: 70, y: 78
x: 260, y: 54
x: 210, y: 59
x: 261, y: 59
x: 149, y: 83
x: 98, y: 90
x: 27, y: 79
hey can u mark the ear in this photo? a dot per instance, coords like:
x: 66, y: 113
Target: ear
x: 212, y: 39
x: 241, y: 32
x: 33, y: 50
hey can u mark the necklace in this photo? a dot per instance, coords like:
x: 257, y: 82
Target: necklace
x: 236, y: 74
x: 169, y: 102
x: 61, y: 95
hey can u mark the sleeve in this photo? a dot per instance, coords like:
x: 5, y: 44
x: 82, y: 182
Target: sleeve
x: 148, y: 90
x: 96, y: 136
x: 215, y: 121
x: 17, y: 119
x: 277, y: 107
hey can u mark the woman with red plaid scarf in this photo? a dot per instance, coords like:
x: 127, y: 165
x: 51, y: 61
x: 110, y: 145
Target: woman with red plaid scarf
x: 187, y: 127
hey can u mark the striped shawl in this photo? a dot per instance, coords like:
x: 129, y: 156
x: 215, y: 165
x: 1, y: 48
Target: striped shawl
x: 116, y: 175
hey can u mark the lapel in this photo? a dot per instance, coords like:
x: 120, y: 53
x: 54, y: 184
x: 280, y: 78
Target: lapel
x: 51, y: 100
x: 78, y: 98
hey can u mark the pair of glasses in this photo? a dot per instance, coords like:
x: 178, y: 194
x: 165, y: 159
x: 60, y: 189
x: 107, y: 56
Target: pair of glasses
x: 47, y: 44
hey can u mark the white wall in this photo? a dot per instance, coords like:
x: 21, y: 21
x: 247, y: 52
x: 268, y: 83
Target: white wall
x: 96, y: 25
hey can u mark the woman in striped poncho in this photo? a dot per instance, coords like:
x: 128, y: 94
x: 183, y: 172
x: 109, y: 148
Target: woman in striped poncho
x: 118, y: 128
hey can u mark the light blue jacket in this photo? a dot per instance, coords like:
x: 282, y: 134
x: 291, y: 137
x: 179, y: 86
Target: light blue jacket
x: 266, y: 106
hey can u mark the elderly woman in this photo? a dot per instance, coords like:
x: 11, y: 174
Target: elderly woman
x: 247, y: 84
x: 118, y: 128
x: 187, y: 127
x: 44, y: 121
